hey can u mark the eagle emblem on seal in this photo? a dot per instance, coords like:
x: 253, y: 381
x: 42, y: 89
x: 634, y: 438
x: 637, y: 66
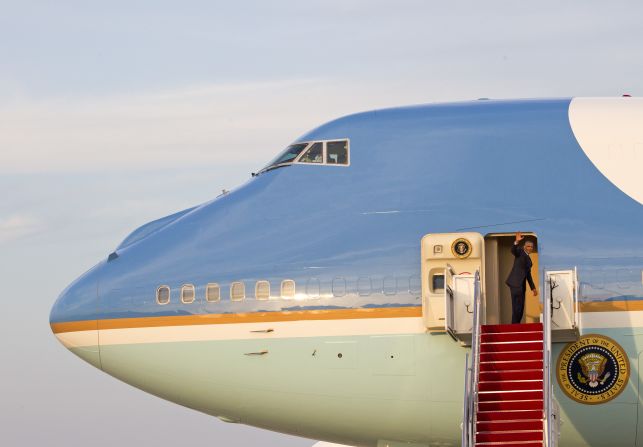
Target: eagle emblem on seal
x: 593, y: 367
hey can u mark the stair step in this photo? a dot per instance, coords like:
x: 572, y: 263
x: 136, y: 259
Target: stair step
x: 532, y: 327
x: 485, y: 416
x: 498, y: 426
x: 511, y: 444
x: 504, y: 396
x: 510, y: 386
x: 512, y: 347
x: 527, y: 327
x: 511, y: 366
x: 500, y: 337
x: 514, y: 385
x: 501, y: 376
x: 510, y: 356
x: 512, y: 405
x: 510, y: 436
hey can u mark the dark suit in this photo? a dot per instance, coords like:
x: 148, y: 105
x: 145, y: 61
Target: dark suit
x: 518, y: 277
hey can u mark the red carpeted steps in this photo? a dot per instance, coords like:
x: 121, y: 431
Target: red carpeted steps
x: 510, y: 386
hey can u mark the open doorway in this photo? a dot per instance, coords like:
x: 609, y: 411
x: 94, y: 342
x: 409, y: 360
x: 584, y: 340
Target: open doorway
x: 449, y: 265
x: 497, y: 264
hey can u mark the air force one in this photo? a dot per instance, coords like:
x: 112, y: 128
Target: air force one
x: 353, y: 290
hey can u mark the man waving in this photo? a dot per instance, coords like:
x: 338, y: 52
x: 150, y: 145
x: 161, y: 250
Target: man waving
x: 519, y: 276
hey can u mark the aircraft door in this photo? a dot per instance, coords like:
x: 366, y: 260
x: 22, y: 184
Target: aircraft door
x: 562, y: 287
x: 449, y: 302
x: 459, y: 291
x: 449, y: 263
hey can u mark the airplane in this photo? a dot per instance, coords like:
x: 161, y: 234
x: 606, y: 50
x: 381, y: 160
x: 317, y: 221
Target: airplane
x: 353, y: 290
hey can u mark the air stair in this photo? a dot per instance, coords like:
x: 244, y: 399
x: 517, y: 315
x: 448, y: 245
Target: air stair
x: 510, y: 385
x: 508, y: 394
x: 508, y: 390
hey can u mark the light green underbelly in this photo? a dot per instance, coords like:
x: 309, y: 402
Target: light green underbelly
x: 355, y: 390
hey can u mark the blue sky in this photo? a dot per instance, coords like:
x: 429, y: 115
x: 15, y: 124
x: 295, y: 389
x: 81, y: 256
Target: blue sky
x: 116, y: 113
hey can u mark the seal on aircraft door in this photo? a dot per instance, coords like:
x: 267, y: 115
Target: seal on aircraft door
x: 593, y: 370
x: 461, y: 248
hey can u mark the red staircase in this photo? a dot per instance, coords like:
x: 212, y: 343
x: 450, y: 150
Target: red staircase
x: 510, y: 386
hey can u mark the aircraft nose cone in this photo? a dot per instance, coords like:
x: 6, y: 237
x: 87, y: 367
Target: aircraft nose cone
x: 73, y: 317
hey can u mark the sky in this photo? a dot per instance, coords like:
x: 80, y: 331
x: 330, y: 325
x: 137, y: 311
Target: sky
x: 116, y: 113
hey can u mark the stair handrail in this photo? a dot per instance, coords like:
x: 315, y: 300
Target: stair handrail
x: 466, y: 432
x: 548, y: 438
x: 472, y: 371
x: 576, y: 304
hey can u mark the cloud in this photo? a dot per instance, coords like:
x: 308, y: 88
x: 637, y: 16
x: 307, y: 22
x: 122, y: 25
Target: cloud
x: 17, y: 226
x: 194, y: 125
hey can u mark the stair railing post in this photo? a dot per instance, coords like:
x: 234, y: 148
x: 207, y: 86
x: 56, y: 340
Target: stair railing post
x: 547, y: 389
x: 471, y: 372
x: 576, y: 304
x: 475, y: 360
x: 465, y: 408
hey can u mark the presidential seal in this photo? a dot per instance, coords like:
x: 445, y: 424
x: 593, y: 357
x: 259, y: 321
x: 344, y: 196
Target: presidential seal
x: 461, y: 248
x: 593, y: 370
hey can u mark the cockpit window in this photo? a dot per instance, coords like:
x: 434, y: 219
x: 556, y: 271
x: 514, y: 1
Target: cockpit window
x: 337, y: 152
x: 288, y: 155
x: 321, y: 152
x: 315, y: 154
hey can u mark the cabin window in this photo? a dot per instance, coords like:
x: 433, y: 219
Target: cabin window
x: 415, y: 285
x: 288, y: 289
x: 339, y: 286
x: 212, y: 293
x: 237, y: 291
x: 315, y: 154
x: 337, y: 152
x: 163, y: 295
x: 402, y: 283
x: 364, y: 286
x: 389, y: 285
x: 187, y: 294
x: 312, y: 288
x: 262, y: 290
